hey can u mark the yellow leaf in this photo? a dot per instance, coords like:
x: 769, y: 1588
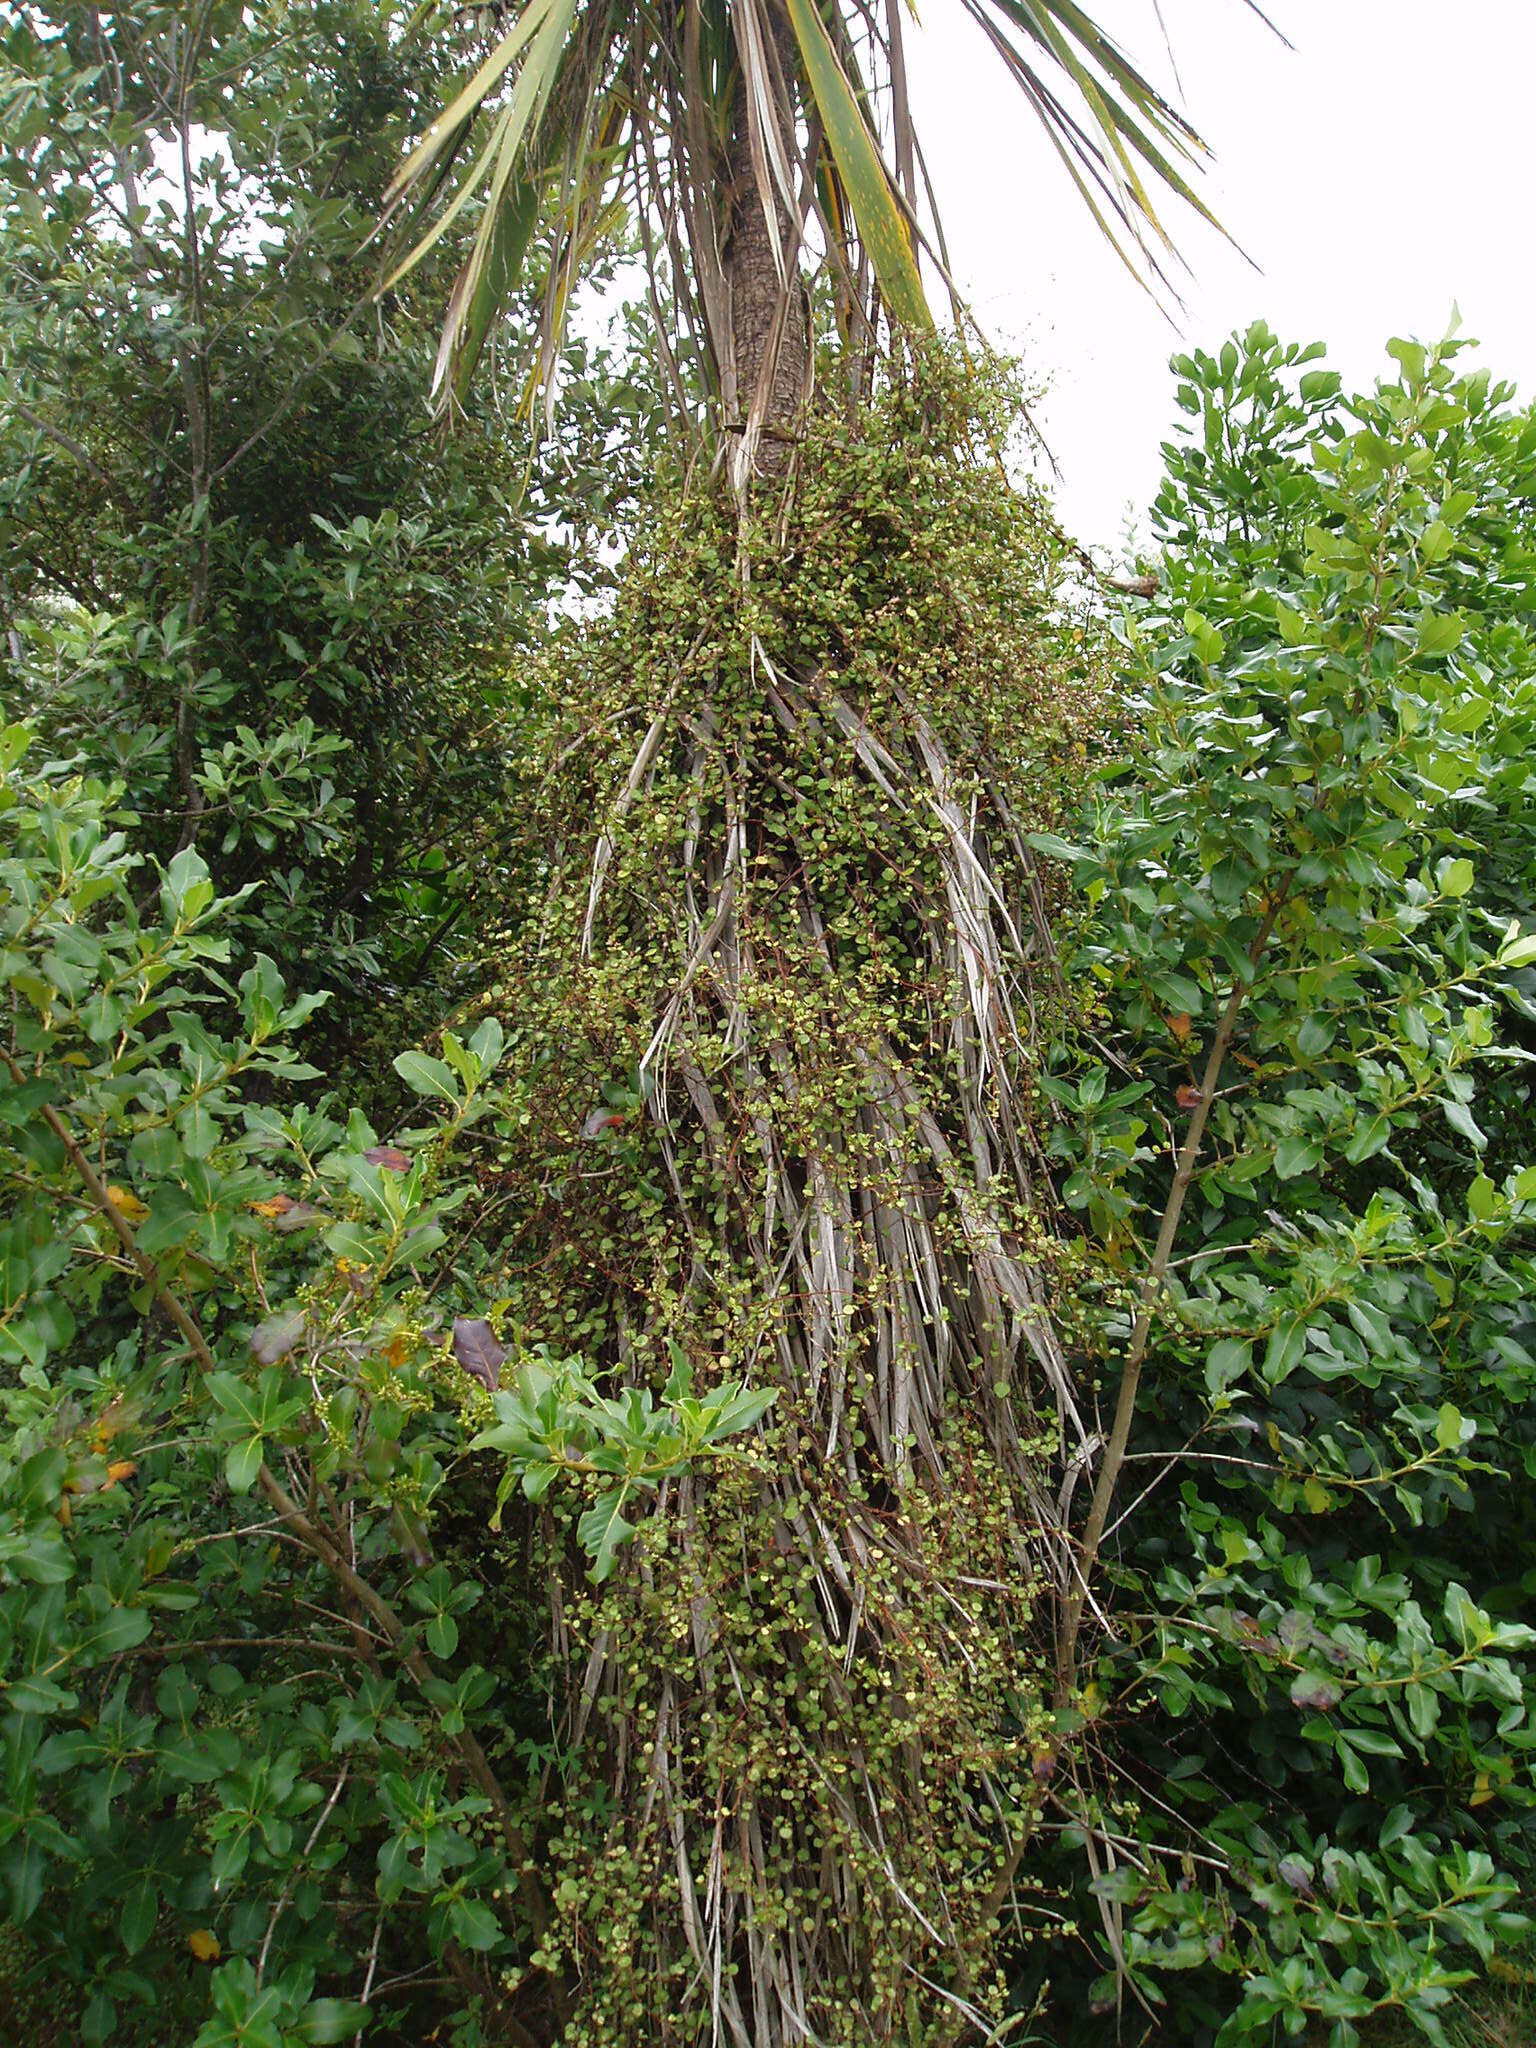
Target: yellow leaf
x: 111, y: 1419
x: 127, y: 1204
x: 120, y: 1468
x: 204, y: 1946
x: 1317, y: 1497
x: 1482, y: 1790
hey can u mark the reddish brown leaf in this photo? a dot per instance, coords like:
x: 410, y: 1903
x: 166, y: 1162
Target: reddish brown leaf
x: 476, y: 1349
x: 389, y: 1156
x: 284, y: 1213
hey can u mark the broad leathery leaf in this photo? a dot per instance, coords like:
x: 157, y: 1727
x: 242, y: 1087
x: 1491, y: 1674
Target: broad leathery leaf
x: 1287, y: 1345
x: 39, y: 1696
x: 738, y: 1410
x: 119, y: 1629
x: 1448, y: 1427
x: 35, y: 1489
x: 1054, y: 847
x: 442, y: 1634
x: 427, y: 1076
x: 476, y: 1348
x: 474, y: 1924
x: 488, y: 1044
x: 602, y: 1529
x: 1457, y: 877
x: 882, y: 226
x: 1440, y: 632
x: 141, y: 1909
x: 296, y: 1216
x: 1228, y: 1359
x: 235, y: 1397
x: 1296, y: 1872
x: 1460, y: 1118
x: 332, y: 2019
x: 24, y: 1867
x: 242, y: 1464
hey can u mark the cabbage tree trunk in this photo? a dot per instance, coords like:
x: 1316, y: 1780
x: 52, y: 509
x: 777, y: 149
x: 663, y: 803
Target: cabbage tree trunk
x: 769, y: 339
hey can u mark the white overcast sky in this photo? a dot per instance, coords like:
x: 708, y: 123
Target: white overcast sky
x: 1376, y: 172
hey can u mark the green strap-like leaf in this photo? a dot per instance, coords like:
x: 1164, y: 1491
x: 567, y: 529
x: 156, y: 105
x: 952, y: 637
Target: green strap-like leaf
x: 515, y: 222
x: 881, y: 222
x: 467, y: 103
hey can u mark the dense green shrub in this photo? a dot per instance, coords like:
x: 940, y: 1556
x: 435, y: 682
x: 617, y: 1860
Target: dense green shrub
x: 1299, y: 1139
x: 257, y: 1701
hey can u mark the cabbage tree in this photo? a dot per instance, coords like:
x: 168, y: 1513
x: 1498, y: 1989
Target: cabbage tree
x: 753, y: 138
x: 773, y: 1104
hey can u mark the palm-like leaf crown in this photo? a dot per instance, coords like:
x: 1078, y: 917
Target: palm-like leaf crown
x: 668, y: 106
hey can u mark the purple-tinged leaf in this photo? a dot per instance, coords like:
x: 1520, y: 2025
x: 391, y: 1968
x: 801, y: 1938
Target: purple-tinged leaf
x: 276, y: 1337
x: 476, y: 1349
x: 410, y: 1533
x: 1313, y: 1689
x: 1297, y: 1873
